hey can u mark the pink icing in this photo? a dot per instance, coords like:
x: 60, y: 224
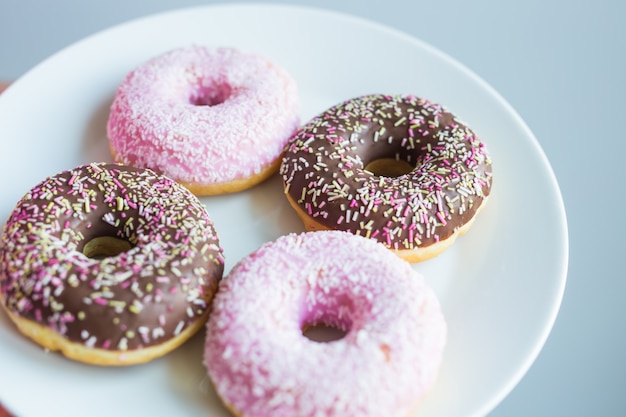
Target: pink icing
x: 203, y: 115
x: 262, y: 365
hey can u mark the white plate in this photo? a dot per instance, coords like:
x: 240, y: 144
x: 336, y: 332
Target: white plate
x: 500, y: 285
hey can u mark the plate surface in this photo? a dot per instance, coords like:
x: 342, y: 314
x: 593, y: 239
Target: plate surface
x: 500, y: 285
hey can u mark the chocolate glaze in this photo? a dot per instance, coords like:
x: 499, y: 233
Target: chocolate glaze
x: 138, y: 298
x: 323, y: 170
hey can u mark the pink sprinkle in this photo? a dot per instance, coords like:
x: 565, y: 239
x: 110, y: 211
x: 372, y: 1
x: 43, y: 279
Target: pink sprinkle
x: 101, y: 301
x: 119, y: 184
x: 386, y: 231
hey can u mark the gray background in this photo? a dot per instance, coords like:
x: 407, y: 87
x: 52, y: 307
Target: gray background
x: 562, y: 65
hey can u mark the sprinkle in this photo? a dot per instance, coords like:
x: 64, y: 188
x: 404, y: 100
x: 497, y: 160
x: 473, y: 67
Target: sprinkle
x: 179, y: 328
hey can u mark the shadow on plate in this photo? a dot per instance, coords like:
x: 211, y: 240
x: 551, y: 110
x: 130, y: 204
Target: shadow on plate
x: 268, y: 200
x: 189, y: 380
x: 95, y: 144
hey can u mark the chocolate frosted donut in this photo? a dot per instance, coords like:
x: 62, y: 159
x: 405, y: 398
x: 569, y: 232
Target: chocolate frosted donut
x: 398, y: 169
x: 112, y: 265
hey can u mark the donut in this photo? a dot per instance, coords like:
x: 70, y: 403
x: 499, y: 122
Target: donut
x: 110, y: 265
x: 260, y: 362
x: 398, y: 169
x: 213, y: 119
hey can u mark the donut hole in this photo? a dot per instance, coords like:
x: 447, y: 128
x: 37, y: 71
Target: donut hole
x: 329, y: 323
x: 323, y: 332
x: 105, y: 246
x: 389, y: 157
x: 389, y: 167
x: 211, y: 95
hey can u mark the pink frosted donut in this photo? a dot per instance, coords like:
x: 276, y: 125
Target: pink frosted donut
x: 213, y: 119
x: 262, y: 365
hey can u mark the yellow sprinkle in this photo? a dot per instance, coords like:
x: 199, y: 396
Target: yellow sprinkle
x: 400, y: 121
x: 135, y: 308
x: 73, y: 281
x: 117, y: 303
